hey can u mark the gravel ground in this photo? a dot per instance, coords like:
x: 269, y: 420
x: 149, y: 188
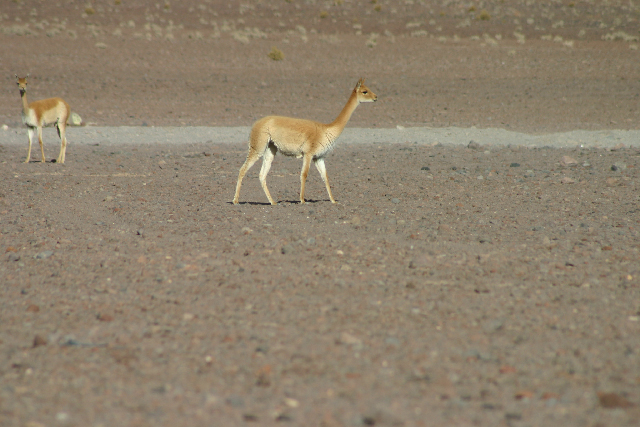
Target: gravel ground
x: 482, y: 266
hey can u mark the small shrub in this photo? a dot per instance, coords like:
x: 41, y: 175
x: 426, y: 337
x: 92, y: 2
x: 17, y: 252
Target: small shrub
x: 484, y: 15
x: 276, y: 54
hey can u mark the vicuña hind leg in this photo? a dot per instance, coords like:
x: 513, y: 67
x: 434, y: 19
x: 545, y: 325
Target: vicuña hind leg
x: 63, y: 143
x: 306, y: 161
x: 41, y: 143
x: 252, y: 157
x: 323, y: 173
x: 269, y: 154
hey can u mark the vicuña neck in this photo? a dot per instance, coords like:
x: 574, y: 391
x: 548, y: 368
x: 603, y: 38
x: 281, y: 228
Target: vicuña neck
x: 341, y: 121
x: 25, y: 104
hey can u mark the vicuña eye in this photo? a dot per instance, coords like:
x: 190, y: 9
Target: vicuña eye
x: 364, y: 91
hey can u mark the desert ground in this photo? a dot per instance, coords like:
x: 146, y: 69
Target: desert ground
x: 481, y: 266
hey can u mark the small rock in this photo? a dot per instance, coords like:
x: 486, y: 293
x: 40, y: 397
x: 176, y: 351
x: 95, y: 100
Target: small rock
x: 13, y: 257
x: 514, y: 165
x: 140, y: 232
x: 425, y: 168
x: 394, y: 200
x: 348, y: 339
x: 493, y: 325
x: 567, y: 161
x: 38, y: 341
x: 529, y: 174
x: 474, y: 145
x: 33, y: 308
x: 613, y: 400
x: 618, y: 166
x: 5, y: 127
x: 44, y: 255
x: 105, y: 317
x: 287, y: 249
x: 566, y: 180
x: 246, y: 230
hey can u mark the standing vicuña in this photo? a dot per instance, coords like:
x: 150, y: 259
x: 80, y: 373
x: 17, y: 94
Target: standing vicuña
x: 51, y: 111
x: 301, y: 138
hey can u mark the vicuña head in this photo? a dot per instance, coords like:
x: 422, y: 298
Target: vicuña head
x: 300, y: 138
x: 52, y: 111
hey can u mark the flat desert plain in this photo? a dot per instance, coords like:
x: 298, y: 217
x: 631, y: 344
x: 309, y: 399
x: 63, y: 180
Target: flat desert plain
x: 481, y: 266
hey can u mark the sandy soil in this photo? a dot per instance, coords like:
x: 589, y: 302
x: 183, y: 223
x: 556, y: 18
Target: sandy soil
x: 451, y: 285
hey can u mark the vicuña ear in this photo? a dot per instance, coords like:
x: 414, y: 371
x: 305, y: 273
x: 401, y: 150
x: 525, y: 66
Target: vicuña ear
x: 359, y: 83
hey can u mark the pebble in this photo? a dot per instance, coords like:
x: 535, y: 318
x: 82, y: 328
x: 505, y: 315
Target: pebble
x: 514, y: 165
x: 394, y: 200
x: 425, y: 168
x: 474, y: 145
x: 13, y: 257
x: 38, y: 340
x: 618, y: 166
x: 287, y: 249
x: 493, y: 325
x: 5, y: 127
x: 566, y: 180
x: 568, y: 161
x: 529, y: 174
x: 347, y: 338
x: 44, y: 255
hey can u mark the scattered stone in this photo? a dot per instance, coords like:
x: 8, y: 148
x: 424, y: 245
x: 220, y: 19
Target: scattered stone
x: 611, y: 182
x: 394, y: 200
x: 105, y: 317
x: 348, y: 339
x: 5, y: 127
x: 484, y: 239
x: 474, y: 145
x: 566, y: 180
x: 140, y: 232
x: 33, y: 308
x: 618, y: 166
x: 529, y: 174
x: 613, y: 400
x: 287, y: 249
x: 38, y: 341
x: 13, y: 257
x: 246, y: 230
x: 567, y: 161
x: 44, y: 255
x: 425, y: 168
x: 493, y: 325
x: 514, y: 165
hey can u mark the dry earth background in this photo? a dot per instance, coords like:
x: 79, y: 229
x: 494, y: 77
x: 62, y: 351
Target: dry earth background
x: 452, y: 285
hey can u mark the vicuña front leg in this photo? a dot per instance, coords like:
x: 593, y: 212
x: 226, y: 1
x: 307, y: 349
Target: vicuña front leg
x: 323, y: 173
x: 41, y: 143
x: 30, y: 133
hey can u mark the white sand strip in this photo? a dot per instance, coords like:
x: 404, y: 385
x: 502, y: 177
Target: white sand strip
x: 105, y: 136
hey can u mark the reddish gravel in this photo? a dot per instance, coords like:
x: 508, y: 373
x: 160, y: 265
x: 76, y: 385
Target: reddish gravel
x: 449, y: 286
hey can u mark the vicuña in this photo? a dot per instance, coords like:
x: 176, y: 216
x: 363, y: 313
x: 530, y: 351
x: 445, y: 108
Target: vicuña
x: 301, y: 138
x: 51, y: 111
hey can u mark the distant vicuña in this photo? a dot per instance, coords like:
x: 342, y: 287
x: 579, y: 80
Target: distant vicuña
x: 51, y: 111
x: 301, y: 138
